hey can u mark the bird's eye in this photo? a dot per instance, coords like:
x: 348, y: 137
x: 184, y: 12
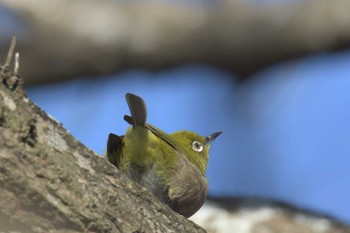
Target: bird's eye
x: 197, y: 146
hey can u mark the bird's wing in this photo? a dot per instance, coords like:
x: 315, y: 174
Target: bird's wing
x: 160, y: 134
x: 114, y: 146
x: 166, y: 138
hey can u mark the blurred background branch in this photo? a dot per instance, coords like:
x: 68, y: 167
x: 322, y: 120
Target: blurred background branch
x: 66, y: 39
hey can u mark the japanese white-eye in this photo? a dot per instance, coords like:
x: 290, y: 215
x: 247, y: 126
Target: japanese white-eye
x: 171, y: 166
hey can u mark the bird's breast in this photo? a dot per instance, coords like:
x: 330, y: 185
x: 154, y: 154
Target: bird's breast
x: 183, y: 187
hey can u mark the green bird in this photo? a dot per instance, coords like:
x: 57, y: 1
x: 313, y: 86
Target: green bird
x: 171, y: 166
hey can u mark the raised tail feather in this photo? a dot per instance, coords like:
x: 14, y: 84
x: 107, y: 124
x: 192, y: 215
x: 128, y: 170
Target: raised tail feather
x: 137, y: 109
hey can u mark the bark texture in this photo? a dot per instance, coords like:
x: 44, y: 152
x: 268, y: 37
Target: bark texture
x: 49, y: 182
x: 69, y: 38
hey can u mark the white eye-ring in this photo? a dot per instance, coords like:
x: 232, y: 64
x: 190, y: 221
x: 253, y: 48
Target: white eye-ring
x: 197, y: 146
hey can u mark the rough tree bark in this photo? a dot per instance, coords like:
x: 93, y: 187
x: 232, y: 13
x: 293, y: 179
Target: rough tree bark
x: 49, y: 182
x: 70, y: 38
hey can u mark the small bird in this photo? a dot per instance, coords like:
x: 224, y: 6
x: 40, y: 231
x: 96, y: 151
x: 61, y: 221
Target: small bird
x: 171, y: 166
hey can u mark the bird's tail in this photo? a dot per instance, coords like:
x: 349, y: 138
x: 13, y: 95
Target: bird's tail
x: 137, y: 109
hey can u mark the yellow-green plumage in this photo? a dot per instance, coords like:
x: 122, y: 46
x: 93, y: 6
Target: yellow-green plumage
x: 171, y: 166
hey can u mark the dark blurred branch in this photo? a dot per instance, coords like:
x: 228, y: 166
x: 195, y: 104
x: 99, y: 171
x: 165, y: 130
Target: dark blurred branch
x: 69, y: 38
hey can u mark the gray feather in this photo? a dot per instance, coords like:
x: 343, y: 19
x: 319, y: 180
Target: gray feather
x: 137, y: 109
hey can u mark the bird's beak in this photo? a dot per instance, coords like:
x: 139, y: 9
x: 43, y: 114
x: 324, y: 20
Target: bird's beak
x: 212, y: 137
